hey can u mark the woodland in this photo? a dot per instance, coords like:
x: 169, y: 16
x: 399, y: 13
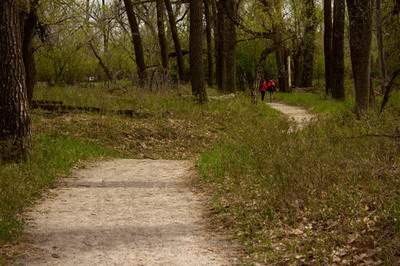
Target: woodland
x: 84, y: 80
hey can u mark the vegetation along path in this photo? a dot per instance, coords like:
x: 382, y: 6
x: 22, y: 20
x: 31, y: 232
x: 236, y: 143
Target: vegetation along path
x: 300, y: 116
x: 124, y: 212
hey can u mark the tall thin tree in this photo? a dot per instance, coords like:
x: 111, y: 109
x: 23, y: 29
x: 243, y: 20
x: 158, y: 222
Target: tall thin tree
x: 209, y: 26
x: 175, y: 37
x: 230, y: 40
x: 137, y: 42
x: 328, y: 45
x: 161, y: 34
x: 360, y: 20
x: 15, y: 130
x: 196, y: 50
x: 337, y: 87
x: 310, y: 28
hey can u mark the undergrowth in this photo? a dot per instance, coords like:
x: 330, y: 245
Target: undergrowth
x: 327, y: 194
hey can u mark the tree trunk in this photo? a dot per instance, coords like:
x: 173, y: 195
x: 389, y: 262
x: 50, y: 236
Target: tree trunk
x: 220, y: 49
x: 328, y: 45
x: 379, y: 39
x: 210, y: 63
x: 175, y: 38
x: 338, y: 50
x: 196, y: 50
x: 360, y: 20
x: 161, y: 35
x: 103, y: 65
x: 230, y: 39
x: 309, y: 43
x: 15, y: 130
x: 29, y: 24
x: 298, y: 66
x: 137, y: 42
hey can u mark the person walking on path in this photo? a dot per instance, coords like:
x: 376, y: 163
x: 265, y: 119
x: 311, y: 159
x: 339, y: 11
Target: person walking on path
x: 271, y: 88
x: 263, y: 88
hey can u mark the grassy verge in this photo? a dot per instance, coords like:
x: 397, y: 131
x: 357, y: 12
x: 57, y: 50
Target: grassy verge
x: 22, y: 183
x: 315, y: 102
x: 328, y: 194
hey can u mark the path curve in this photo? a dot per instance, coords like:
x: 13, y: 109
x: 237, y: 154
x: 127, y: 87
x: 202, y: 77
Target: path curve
x: 300, y: 115
x: 124, y: 212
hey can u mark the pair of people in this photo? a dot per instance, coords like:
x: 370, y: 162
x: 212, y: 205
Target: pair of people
x: 267, y: 86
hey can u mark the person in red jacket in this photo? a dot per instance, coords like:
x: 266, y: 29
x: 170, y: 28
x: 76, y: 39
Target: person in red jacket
x: 263, y: 88
x: 271, y: 88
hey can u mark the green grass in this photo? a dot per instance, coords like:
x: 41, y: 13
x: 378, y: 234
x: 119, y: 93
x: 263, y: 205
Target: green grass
x: 21, y: 183
x: 315, y: 102
x: 301, y: 197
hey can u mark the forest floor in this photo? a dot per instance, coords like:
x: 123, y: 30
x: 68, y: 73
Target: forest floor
x: 326, y: 194
x: 129, y: 212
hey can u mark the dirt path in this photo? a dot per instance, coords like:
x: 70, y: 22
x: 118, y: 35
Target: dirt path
x: 124, y: 212
x: 300, y: 116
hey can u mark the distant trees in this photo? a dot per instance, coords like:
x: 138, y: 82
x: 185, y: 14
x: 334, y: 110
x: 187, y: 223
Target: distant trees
x: 15, y: 131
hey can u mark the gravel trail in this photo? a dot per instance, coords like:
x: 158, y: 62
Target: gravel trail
x: 124, y: 212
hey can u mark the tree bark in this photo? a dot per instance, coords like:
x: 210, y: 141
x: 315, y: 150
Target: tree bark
x: 137, y: 42
x: 379, y: 39
x: 338, y: 50
x: 15, y: 130
x: 360, y: 20
x: 30, y: 21
x: 220, y: 49
x: 230, y: 38
x: 196, y: 50
x: 309, y: 43
x: 161, y: 35
x: 328, y: 45
x: 177, y: 42
x: 209, y: 25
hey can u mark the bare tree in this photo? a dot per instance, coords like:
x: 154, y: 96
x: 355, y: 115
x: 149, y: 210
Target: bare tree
x: 309, y: 43
x: 209, y: 26
x: 360, y: 19
x: 196, y: 50
x: 15, y: 130
x: 161, y: 34
x: 137, y: 42
x: 337, y: 87
x: 328, y: 45
x: 175, y: 38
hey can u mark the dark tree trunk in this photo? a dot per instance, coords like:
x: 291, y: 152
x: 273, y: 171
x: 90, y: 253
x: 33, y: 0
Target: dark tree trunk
x: 338, y: 50
x: 230, y: 39
x: 298, y: 67
x: 105, y: 27
x: 30, y: 21
x: 309, y: 43
x: 196, y: 50
x: 175, y: 38
x: 328, y: 45
x: 161, y: 35
x: 102, y: 64
x: 137, y: 42
x: 360, y: 19
x: 221, y: 44
x: 209, y: 25
x: 379, y: 39
x: 15, y: 130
